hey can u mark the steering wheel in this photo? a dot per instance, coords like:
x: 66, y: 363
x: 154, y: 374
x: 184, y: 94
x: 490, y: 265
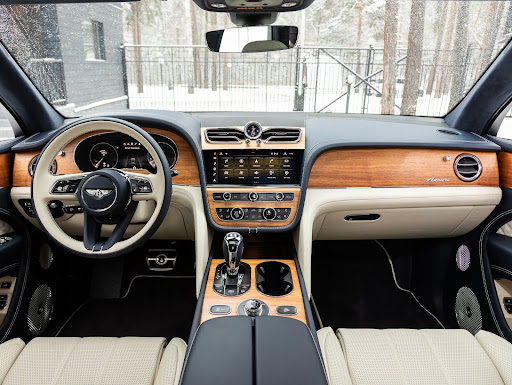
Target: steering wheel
x: 107, y: 196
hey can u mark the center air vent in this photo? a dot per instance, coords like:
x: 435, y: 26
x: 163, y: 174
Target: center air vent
x: 282, y: 135
x: 224, y: 135
x: 467, y: 167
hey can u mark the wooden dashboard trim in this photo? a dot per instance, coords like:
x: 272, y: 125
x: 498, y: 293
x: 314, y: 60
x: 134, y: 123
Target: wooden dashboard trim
x: 293, y: 299
x: 212, y: 205
x: 187, y: 167
x: 505, y: 162
x: 6, y: 169
x: 391, y: 167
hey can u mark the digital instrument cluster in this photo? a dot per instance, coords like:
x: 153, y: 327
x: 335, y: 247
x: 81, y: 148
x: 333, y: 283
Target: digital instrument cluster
x: 116, y: 150
x: 253, y: 167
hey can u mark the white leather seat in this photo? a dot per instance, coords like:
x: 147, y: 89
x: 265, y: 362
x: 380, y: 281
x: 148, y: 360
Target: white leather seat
x: 95, y: 360
x: 404, y: 356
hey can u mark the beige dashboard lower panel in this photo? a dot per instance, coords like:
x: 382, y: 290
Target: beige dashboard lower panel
x: 185, y: 220
x: 408, y: 212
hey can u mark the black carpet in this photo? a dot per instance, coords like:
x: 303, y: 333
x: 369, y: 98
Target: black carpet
x: 154, y: 307
x: 353, y: 287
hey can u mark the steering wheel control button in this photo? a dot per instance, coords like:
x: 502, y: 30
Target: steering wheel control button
x: 253, y: 196
x: 141, y: 186
x: 220, y: 309
x: 269, y: 214
x: 26, y: 205
x: 237, y: 214
x: 279, y: 196
x: 73, y: 209
x: 286, y: 310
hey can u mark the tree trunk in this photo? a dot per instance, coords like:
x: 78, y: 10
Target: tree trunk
x: 195, y: 52
x: 459, y: 54
x: 414, y: 56
x: 213, y: 20
x: 225, y: 71
x: 491, y: 32
x: 389, y: 58
x: 442, y: 78
x: 206, y: 67
x: 137, y: 48
x: 440, y: 23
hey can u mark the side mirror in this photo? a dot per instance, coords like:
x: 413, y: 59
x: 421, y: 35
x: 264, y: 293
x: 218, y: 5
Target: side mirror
x: 252, y: 39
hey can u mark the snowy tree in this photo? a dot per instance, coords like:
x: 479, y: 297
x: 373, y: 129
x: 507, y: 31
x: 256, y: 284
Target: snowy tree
x: 389, y: 58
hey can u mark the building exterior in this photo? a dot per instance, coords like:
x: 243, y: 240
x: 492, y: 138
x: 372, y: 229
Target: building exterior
x: 78, y: 48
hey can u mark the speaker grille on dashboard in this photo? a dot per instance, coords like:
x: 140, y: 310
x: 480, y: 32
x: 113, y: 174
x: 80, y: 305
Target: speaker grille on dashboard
x: 45, y: 256
x: 463, y: 258
x: 40, y: 310
x: 467, y: 310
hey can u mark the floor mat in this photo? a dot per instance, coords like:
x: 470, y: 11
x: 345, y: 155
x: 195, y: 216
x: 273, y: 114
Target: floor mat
x: 353, y: 287
x: 154, y: 307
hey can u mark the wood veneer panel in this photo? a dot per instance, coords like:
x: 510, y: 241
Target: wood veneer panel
x: 6, y: 168
x: 188, y: 172
x: 396, y: 168
x: 293, y: 299
x: 218, y: 204
x: 505, y: 162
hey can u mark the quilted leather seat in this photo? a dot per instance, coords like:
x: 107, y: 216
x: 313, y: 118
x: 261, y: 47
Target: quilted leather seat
x: 404, y: 356
x: 90, y: 361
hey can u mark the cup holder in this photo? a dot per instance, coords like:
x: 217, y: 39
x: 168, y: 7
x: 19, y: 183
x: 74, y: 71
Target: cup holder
x: 274, y: 279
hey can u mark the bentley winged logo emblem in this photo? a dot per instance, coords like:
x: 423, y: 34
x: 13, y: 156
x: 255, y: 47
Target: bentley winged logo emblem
x: 98, y: 193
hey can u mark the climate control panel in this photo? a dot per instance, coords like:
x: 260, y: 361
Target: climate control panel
x: 253, y: 206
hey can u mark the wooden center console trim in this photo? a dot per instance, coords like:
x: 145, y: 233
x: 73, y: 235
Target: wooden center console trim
x: 252, y: 145
x: 387, y: 167
x: 188, y: 171
x: 293, y: 299
x: 212, y: 205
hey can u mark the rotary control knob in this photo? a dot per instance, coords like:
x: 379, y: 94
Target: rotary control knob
x: 269, y: 213
x: 279, y: 196
x: 253, y: 307
x: 253, y: 196
x: 226, y: 196
x: 237, y: 214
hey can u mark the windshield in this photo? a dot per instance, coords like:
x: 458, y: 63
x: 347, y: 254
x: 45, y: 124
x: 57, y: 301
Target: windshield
x: 353, y: 56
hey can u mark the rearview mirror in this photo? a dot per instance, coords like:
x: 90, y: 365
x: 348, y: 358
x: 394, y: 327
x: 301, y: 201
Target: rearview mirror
x: 252, y: 39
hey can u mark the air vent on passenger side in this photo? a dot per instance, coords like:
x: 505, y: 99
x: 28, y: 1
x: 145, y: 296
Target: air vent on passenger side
x: 224, y: 135
x: 282, y: 135
x: 467, y: 167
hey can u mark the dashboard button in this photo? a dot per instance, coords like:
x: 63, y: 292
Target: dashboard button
x: 269, y: 213
x: 226, y: 196
x: 241, y: 161
x: 253, y: 196
x: 216, y: 196
x: 237, y: 214
x: 286, y: 310
x: 289, y: 197
x: 220, y: 309
x: 256, y: 162
x: 241, y: 174
x: 279, y: 196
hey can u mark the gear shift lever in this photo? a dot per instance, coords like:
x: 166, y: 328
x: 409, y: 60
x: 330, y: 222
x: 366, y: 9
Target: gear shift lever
x: 233, y: 248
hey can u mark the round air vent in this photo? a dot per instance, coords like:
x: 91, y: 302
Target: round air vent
x: 45, y: 256
x: 467, y: 167
x: 40, y: 310
x: 467, y: 310
x: 32, y: 166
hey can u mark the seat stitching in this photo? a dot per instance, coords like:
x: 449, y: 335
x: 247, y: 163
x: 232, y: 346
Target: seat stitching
x: 395, y: 357
x: 345, y: 354
x: 437, y: 357
x: 107, y: 358
x: 64, y: 362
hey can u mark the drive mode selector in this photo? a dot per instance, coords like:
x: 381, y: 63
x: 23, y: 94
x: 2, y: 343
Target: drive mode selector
x: 269, y: 213
x: 253, y: 308
x: 237, y: 214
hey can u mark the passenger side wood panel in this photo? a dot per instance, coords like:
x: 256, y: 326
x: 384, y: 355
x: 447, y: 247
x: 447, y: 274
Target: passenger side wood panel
x: 6, y: 168
x: 505, y: 162
x: 188, y: 171
x: 396, y: 168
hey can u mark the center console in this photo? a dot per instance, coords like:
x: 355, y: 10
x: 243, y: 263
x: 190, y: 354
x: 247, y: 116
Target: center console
x: 253, y: 174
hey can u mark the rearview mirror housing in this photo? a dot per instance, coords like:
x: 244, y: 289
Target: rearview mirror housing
x: 252, y: 39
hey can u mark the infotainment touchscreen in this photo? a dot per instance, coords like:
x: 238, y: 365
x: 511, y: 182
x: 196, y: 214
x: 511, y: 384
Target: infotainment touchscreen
x: 252, y: 167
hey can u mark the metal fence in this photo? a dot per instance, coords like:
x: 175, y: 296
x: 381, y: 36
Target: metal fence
x: 190, y: 78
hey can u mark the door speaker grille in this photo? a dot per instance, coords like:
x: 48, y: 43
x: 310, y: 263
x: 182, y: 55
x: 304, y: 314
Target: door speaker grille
x: 467, y: 310
x: 463, y: 258
x: 45, y: 256
x: 40, y: 310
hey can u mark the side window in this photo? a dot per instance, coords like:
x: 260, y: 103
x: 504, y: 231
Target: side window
x: 94, y: 40
x: 505, y: 129
x: 8, y: 127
